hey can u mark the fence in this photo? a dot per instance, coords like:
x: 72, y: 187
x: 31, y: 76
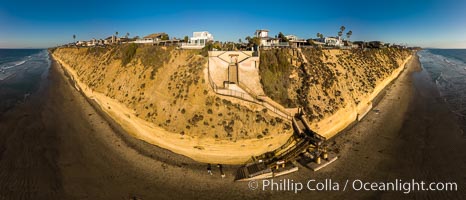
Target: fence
x: 243, y: 96
x: 192, y: 46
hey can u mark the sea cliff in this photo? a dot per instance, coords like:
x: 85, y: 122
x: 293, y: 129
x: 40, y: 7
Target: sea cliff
x: 161, y: 95
x: 334, y: 87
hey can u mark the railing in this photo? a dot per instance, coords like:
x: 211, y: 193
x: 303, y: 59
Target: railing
x: 276, y: 110
x: 286, y: 145
x: 211, y: 82
x: 234, y: 93
x: 241, y: 95
x: 143, y: 41
x: 266, y: 104
x: 193, y: 46
x: 291, y: 153
x: 246, y: 89
x: 228, y: 92
x: 296, y: 126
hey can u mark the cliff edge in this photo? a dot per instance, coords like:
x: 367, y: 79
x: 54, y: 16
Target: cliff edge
x: 160, y: 95
x: 334, y: 87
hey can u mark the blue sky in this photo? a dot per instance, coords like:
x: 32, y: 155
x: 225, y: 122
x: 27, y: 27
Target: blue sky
x: 427, y: 23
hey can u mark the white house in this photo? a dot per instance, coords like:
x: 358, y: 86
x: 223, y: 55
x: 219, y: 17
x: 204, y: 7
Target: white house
x: 198, y: 41
x: 144, y: 41
x: 331, y: 41
x: 295, y: 41
x: 111, y: 40
x: 267, y: 41
x: 262, y: 33
x: 81, y: 43
x: 92, y: 43
x: 292, y: 37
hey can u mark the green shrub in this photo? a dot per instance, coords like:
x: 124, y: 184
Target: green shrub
x: 128, y: 52
x: 275, y: 70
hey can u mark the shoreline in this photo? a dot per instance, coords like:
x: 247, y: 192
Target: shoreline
x: 411, y: 137
x: 141, y: 146
x: 69, y: 151
x: 212, y: 151
x: 224, y: 152
x: 381, y: 95
x: 146, y: 165
x: 350, y: 114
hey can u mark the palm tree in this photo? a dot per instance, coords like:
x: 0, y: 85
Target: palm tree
x: 348, y: 34
x: 116, y: 37
x: 340, y: 33
x: 127, y: 35
x: 320, y: 35
x: 74, y: 38
x: 342, y: 28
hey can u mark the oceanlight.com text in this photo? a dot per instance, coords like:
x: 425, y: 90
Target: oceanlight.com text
x: 397, y: 185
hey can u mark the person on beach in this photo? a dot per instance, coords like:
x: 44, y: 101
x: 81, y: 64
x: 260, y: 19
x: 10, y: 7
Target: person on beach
x: 209, y: 169
x: 221, y: 170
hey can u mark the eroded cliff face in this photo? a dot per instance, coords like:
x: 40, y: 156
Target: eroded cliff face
x: 167, y: 88
x: 334, y: 87
x: 162, y: 95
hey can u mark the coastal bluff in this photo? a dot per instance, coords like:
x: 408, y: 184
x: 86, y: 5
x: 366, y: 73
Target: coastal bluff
x: 335, y: 87
x: 161, y: 95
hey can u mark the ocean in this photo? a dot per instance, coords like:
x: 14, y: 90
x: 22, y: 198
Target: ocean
x: 21, y: 72
x: 447, y: 67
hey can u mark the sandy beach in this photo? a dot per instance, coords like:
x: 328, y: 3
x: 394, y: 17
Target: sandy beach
x: 201, y: 147
x: 57, y: 146
x: 413, y: 136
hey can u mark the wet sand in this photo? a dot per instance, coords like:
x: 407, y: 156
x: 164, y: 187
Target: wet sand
x: 57, y: 146
x: 414, y: 136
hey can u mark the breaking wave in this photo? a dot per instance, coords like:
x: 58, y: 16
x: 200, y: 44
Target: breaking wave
x: 447, y: 67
